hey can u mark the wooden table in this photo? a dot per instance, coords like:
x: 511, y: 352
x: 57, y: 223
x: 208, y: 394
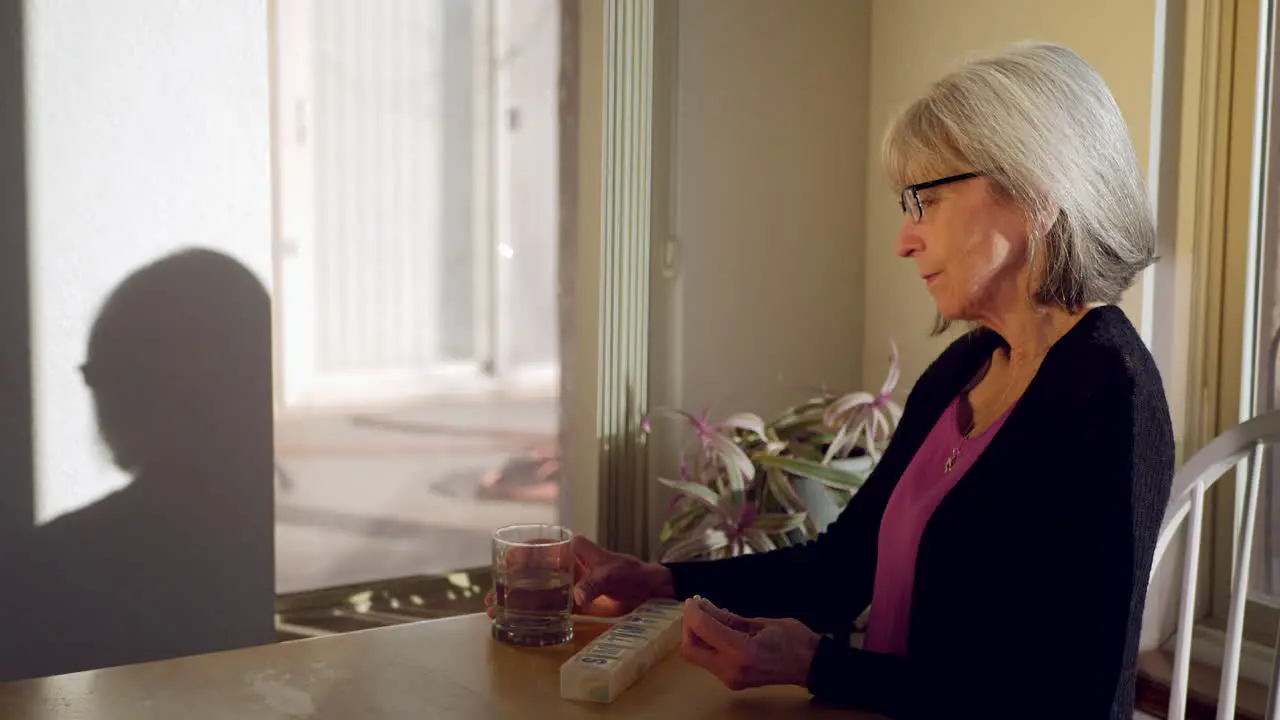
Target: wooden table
x: 447, y: 668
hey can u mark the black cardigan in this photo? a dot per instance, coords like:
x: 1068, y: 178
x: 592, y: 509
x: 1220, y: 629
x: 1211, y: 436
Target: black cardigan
x: 1031, y: 574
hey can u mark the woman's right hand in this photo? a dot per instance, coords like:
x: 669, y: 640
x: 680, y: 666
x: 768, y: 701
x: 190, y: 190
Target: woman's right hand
x: 609, y: 584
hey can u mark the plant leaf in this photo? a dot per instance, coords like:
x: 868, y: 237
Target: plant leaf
x: 796, y: 423
x: 891, y: 378
x: 744, y: 421
x: 733, y: 505
x: 895, y: 412
x: 825, y: 474
x: 782, y: 491
x: 759, y: 541
x: 839, y: 496
x: 861, y: 427
x: 668, y: 529
x: 693, y: 420
x: 779, y: 522
x: 806, y: 451
x: 700, y: 544
x: 801, y: 417
x: 682, y: 523
x: 789, y: 499
x: 804, y: 412
x: 701, y: 493
x: 738, y: 466
x: 842, y: 406
x: 836, y: 446
x: 861, y: 465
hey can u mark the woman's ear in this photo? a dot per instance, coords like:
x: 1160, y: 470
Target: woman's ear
x: 1043, y: 220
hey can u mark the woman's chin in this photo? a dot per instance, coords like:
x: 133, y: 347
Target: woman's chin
x: 947, y: 311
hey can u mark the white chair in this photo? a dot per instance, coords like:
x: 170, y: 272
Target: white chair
x: 1249, y: 439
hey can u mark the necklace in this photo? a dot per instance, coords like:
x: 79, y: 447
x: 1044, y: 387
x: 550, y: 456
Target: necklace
x: 964, y: 434
x: 955, y: 451
x: 1032, y: 362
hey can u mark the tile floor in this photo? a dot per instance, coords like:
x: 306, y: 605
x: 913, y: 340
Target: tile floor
x: 392, y: 494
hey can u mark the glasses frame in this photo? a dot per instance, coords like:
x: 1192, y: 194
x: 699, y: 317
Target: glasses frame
x: 910, y: 197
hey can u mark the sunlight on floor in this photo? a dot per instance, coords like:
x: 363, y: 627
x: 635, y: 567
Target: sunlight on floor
x: 361, y: 497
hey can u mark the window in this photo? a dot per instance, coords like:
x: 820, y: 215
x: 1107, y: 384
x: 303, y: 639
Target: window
x: 1260, y: 343
x: 482, y: 155
x: 1237, y: 263
x: 417, y: 184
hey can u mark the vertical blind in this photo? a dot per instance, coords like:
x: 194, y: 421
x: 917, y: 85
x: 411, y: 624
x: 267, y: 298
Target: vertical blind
x: 624, y: 274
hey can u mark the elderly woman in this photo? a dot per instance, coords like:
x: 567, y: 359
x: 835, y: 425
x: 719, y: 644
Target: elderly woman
x: 1004, y: 542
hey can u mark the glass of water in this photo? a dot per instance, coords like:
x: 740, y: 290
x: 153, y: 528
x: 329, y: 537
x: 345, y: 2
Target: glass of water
x: 533, y: 585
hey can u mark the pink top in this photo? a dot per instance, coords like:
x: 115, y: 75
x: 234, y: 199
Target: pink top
x: 922, y: 486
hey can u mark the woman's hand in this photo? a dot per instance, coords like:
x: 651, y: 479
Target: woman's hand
x: 609, y: 584
x: 746, y: 653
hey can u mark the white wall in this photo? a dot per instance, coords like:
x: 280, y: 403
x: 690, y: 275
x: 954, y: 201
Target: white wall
x: 147, y: 132
x: 913, y: 42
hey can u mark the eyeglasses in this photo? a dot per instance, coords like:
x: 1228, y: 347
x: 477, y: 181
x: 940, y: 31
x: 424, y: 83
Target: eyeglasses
x: 910, y: 199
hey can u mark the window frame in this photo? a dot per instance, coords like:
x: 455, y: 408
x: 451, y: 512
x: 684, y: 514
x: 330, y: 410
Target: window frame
x: 1225, y: 237
x: 1246, y: 249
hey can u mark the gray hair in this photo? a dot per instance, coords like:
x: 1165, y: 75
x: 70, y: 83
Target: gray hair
x: 1042, y: 125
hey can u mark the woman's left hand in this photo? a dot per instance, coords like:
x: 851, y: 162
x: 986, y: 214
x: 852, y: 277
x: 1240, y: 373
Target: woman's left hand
x: 747, y: 652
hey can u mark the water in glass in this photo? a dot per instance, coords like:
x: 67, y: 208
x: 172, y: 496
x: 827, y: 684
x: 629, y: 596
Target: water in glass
x: 533, y: 585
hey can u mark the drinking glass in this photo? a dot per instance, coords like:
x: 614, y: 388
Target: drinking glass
x: 533, y: 585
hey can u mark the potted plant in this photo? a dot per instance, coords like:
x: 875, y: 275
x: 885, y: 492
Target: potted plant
x: 750, y: 486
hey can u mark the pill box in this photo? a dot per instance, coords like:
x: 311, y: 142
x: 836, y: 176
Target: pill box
x: 617, y: 658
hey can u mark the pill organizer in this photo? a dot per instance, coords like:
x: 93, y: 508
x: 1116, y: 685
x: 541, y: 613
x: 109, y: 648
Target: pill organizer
x: 620, y: 656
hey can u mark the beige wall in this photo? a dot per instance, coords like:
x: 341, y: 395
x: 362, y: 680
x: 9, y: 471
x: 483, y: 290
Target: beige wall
x: 580, y: 277
x: 783, y: 275
x: 769, y: 157
x: 915, y: 41
x: 761, y: 302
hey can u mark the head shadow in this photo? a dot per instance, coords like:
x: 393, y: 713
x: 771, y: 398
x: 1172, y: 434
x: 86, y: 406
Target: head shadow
x: 173, y: 355
x: 180, y: 561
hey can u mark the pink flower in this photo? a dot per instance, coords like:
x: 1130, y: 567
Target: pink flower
x: 717, y: 443
x: 861, y: 417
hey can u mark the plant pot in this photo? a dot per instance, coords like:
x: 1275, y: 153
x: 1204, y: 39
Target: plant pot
x: 822, y: 509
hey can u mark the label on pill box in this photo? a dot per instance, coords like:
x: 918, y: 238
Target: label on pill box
x: 606, y: 650
x: 657, y: 613
x: 644, y: 631
x: 621, y: 640
x: 638, y: 619
x: 600, y: 662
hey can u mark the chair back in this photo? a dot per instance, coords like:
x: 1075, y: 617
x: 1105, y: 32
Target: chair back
x: 1244, y: 442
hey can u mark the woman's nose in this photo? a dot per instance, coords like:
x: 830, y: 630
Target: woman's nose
x: 908, y: 242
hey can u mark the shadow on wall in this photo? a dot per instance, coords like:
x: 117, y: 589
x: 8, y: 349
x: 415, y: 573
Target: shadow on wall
x: 180, y: 561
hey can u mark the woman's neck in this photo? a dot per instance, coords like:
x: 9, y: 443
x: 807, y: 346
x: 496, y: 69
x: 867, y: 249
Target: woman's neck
x: 1030, y: 331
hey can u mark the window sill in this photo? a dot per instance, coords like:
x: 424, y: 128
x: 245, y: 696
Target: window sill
x: 1208, y: 644
x: 1155, y: 675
